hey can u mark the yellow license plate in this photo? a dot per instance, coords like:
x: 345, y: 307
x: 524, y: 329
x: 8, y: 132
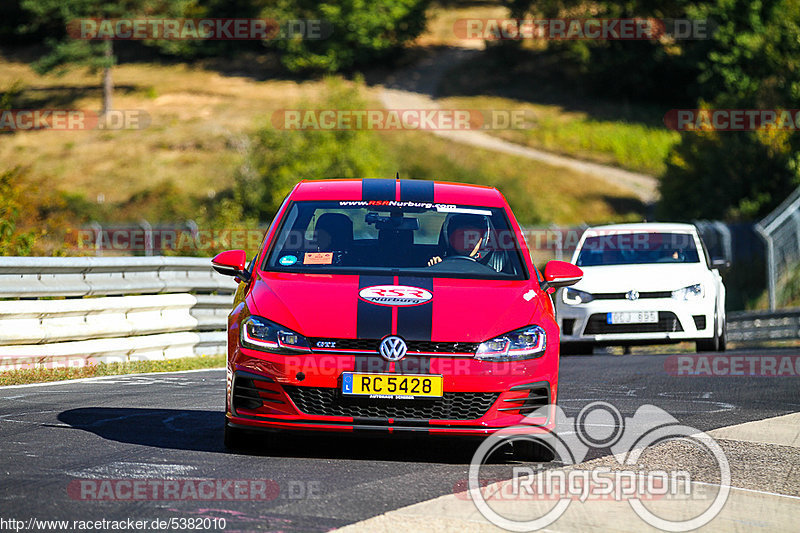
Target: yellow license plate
x: 391, y: 386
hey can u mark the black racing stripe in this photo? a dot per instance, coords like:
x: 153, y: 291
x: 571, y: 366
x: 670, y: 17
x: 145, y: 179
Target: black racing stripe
x: 416, y: 191
x: 378, y: 189
x: 415, y: 323
x: 372, y: 322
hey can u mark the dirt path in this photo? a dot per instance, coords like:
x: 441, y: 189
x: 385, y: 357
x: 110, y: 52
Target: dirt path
x: 415, y: 88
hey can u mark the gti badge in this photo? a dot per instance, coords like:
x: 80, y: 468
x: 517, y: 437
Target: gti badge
x: 393, y: 348
x: 632, y: 295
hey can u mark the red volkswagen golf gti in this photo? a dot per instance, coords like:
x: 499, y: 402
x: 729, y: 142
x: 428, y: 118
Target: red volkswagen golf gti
x: 391, y: 306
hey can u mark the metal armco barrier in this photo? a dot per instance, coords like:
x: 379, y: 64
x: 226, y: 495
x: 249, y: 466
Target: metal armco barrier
x: 761, y: 326
x: 78, y: 310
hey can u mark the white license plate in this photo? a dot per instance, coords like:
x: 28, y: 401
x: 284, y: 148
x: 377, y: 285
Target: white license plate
x: 632, y: 317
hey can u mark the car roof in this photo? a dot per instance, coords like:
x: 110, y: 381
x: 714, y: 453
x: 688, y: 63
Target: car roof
x: 440, y: 192
x: 644, y: 227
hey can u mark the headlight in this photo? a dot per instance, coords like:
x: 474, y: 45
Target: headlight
x: 523, y: 343
x: 690, y: 293
x: 572, y: 296
x: 261, y: 334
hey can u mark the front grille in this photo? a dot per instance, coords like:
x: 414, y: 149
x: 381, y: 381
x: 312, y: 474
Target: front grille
x: 622, y: 295
x: 442, y: 347
x: 413, y: 346
x: 699, y: 321
x: 345, y: 344
x: 667, y: 323
x: 453, y: 406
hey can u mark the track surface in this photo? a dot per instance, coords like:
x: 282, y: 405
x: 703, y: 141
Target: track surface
x: 170, y: 426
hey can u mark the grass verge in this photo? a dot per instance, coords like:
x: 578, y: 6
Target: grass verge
x: 41, y: 375
x: 629, y: 145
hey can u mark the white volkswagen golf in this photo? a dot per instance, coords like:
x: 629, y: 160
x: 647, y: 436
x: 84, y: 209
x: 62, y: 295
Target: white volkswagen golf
x: 645, y: 283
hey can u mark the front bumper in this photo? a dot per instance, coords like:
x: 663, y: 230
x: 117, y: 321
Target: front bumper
x: 678, y: 321
x: 302, y: 393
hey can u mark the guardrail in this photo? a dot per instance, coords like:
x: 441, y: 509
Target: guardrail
x: 760, y: 326
x: 78, y: 310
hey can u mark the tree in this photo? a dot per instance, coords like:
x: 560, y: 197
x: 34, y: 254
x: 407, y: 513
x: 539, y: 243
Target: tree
x: 752, y: 63
x: 65, y: 52
x: 362, y: 31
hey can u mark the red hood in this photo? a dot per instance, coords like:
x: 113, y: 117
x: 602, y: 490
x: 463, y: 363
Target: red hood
x: 327, y: 306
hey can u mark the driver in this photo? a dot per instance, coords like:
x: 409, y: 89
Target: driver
x: 465, y: 236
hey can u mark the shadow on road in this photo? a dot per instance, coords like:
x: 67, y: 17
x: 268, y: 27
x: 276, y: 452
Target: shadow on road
x: 197, y: 430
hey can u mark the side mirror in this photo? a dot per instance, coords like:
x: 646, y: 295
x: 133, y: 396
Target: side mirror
x: 232, y: 263
x: 559, y: 274
x: 720, y: 264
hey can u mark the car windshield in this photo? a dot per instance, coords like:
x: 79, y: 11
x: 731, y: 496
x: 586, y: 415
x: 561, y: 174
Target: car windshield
x: 430, y: 240
x: 637, y: 249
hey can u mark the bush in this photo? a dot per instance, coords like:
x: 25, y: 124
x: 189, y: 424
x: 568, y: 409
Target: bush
x: 13, y: 240
x: 727, y: 175
x: 278, y: 159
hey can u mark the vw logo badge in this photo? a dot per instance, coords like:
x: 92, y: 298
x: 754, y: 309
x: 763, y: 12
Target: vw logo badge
x: 632, y: 295
x: 393, y: 348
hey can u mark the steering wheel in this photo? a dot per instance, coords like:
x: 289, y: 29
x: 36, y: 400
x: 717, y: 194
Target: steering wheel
x: 460, y: 257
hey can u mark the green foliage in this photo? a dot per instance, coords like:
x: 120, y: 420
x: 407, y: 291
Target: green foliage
x: 788, y: 290
x: 753, y: 63
x: 8, y: 96
x: 13, y: 240
x: 65, y: 53
x: 278, y: 159
x: 362, y: 31
x: 725, y: 175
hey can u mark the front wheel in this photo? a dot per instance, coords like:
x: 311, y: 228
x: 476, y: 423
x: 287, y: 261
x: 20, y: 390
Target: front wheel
x: 234, y: 438
x: 532, y: 451
x: 717, y: 343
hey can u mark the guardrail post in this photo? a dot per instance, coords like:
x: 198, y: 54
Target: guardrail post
x: 98, y: 238
x: 148, y: 237
x: 771, y: 266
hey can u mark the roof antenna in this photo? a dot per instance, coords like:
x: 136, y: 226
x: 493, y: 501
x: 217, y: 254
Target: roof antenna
x: 397, y: 175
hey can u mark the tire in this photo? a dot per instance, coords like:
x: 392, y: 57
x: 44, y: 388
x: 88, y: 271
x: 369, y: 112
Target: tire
x: 234, y: 438
x: 577, y: 348
x: 723, y: 339
x: 531, y: 451
x: 715, y: 343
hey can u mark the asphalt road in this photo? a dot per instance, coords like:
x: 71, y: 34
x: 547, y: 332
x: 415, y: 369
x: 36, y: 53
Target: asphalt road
x: 159, y: 427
